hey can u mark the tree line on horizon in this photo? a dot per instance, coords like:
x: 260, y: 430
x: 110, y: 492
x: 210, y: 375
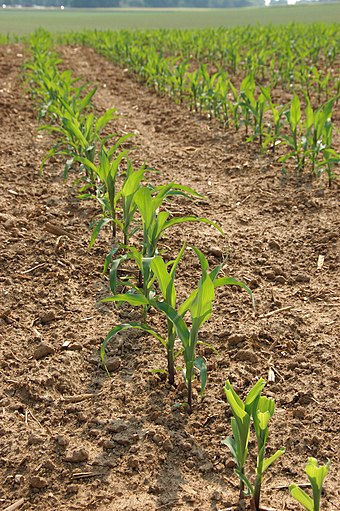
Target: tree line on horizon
x: 136, y: 3
x: 147, y: 3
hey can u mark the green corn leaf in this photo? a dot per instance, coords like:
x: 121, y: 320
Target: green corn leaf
x: 143, y: 199
x: 301, y: 497
x: 108, y: 258
x: 201, y: 307
x: 114, y: 272
x: 98, y: 227
x: 254, y: 393
x: 235, y: 404
x: 231, y: 444
x: 104, y: 119
x: 159, y: 268
x: 316, y: 474
x: 295, y: 112
x: 202, y: 367
x: 177, y: 320
x: 246, y: 481
x: 74, y: 130
x: 175, y: 221
x: 86, y: 101
x: 269, y: 461
x: 130, y: 298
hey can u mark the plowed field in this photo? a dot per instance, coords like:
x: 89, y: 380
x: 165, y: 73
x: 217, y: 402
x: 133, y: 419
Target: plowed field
x: 73, y: 439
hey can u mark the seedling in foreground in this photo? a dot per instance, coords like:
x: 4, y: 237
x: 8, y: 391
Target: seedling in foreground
x: 316, y: 475
x: 260, y: 409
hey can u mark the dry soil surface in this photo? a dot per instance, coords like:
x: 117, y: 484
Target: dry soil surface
x: 73, y: 439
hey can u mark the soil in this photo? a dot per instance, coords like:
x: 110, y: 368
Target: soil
x: 70, y: 437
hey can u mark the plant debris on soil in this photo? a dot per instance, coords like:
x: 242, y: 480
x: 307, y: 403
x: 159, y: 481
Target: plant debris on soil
x: 73, y: 439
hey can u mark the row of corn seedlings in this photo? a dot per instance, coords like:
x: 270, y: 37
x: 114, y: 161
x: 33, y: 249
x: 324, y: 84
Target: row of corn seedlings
x: 302, y: 133
x: 138, y: 210
x: 287, y: 56
x: 67, y: 110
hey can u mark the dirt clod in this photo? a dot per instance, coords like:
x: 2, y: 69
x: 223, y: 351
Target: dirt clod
x: 42, y: 351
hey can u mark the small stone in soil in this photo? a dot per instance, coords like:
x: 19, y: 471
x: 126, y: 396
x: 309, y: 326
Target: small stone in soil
x: 42, y: 351
x: 302, y: 277
x: 78, y: 456
x: 215, y: 251
x: 47, y: 317
x: 62, y: 441
x: 246, y: 356
x: 35, y: 440
x: 113, y: 364
x: 299, y: 412
x: 235, y: 339
x: 38, y: 482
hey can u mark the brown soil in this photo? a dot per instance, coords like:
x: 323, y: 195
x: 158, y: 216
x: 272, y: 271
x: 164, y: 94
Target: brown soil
x: 71, y: 438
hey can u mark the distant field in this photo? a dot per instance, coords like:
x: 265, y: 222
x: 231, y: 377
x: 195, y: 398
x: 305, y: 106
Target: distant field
x: 24, y: 21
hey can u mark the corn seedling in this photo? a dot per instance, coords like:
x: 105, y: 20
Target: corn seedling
x: 316, y: 475
x: 198, y: 305
x: 259, y: 409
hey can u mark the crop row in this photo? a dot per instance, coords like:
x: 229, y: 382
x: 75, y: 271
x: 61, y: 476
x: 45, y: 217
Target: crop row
x: 237, y: 76
x: 138, y: 214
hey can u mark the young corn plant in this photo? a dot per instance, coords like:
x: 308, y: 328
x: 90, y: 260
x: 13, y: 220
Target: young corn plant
x: 156, y: 221
x: 316, y: 475
x: 294, y: 139
x: 198, y: 305
x: 240, y: 425
x: 259, y: 409
x: 104, y: 179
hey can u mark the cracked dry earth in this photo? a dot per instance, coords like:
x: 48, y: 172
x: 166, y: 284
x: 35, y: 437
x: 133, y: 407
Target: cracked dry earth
x: 73, y: 439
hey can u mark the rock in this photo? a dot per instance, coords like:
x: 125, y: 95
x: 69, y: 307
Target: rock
x: 246, y: 356
x: 38, y: 482
x: 230, y: 464
x: 168, y: 445
x: 123, y: 439
x: 280, y: 279
x: 207, y: 466
x: 158, y: 439
x: 49, y: 465
x: 108, y: 444
x: 113, y: 364
x: 302, y: 277
x: 133, y: 462
x: 62, y: 441
x: 42, y: 351
x: 75, y: 346
x: 35, y: 440
x: 116, y: 426
x: 273, y: 245
x: 78, y: 456
x: 269, y: 274
x: 9, y: 221
x: 215, y: 251
x: 18, y: 478
x: 216, y: 495
x: 299, y: 412
x: 235, y: 339
x: 47, y: 317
